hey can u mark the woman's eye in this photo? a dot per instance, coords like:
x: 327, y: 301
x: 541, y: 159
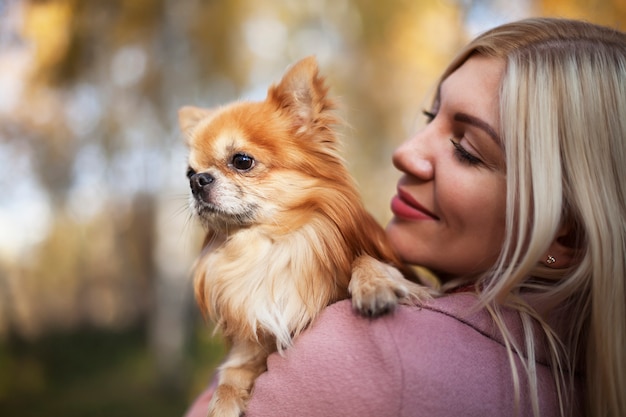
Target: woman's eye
x: 463, y: 155
x: 242, y: 162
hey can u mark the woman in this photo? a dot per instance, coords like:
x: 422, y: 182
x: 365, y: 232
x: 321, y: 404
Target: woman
x: 514, y: 194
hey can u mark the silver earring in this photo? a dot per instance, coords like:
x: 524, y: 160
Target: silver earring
x: 550, y: 260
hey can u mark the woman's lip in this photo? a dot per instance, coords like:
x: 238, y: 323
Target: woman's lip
x: 405, y: 206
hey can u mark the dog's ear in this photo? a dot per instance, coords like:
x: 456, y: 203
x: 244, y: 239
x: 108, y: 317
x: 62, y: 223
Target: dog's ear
x: 303, y: 93
x: 189, y: 117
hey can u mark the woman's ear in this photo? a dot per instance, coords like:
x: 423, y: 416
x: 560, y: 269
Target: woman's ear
x: 565, y: 248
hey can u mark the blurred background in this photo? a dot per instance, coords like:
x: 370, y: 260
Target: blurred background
x: 96, y: 241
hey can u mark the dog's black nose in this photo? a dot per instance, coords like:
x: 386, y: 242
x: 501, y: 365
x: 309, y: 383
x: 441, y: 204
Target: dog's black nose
x: 199, y: 181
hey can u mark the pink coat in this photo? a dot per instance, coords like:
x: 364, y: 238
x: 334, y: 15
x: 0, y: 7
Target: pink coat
x: 444, y: 359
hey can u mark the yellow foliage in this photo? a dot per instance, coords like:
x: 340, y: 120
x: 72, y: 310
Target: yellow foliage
x: 604, y: 12
x: 47, y: 26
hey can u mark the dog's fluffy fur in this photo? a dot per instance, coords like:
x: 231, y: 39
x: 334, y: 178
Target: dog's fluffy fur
x: 286, y: 227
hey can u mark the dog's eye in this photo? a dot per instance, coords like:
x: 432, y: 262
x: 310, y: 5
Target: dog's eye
x: 242, y: 162
x: 190, y: 172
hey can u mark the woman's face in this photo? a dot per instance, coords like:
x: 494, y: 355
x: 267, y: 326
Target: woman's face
x: 449, y: 211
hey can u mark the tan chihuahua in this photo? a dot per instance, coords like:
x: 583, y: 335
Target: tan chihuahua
x: 287, y: 231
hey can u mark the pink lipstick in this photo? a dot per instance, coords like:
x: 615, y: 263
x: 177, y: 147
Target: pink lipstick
x: 406, y: 207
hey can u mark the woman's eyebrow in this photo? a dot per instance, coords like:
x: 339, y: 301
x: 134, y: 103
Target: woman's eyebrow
x: 479, y: 123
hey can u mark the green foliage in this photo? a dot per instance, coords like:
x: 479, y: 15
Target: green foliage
x: 95, y: 373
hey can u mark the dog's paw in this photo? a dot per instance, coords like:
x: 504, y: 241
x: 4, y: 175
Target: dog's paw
x: 227, y: 401
x: 377, y: 288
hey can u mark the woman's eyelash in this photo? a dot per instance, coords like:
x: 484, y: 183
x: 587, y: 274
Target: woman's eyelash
x: 463, y: 155
x: 429, y: 115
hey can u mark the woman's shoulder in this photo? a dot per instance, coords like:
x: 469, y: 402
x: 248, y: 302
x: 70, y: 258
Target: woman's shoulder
x: 435, y: 329
x: 348, y: 365
x: 452, y: 318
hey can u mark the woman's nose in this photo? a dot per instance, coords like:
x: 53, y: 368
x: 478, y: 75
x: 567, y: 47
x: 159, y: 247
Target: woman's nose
x: 414, y: 157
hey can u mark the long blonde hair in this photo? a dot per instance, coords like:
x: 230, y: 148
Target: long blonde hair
x: 563, y: 122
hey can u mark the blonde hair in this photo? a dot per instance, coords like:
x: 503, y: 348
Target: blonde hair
x: 563, y: 123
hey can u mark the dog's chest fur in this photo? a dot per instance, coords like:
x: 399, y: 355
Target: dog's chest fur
x: 268, y: 286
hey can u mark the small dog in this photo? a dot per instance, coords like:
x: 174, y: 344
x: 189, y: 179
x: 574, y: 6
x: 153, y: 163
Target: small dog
x: 287, y: 231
